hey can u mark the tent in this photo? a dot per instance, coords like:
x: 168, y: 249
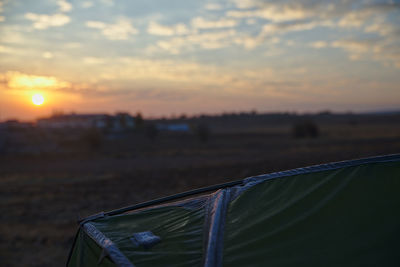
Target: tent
x: 337, y: 214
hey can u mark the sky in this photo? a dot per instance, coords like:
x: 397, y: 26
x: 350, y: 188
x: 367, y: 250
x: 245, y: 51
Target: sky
x: 176, y: 57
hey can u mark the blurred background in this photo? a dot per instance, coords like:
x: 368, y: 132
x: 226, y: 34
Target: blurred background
x: 107, y: 103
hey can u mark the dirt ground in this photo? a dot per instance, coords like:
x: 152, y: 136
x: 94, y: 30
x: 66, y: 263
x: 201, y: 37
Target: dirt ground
x: 42, y: 196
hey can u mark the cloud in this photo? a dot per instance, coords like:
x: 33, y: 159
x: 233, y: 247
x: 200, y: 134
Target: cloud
x: 272, y: 12
x: 120, y: 30
x: 319, y: 44
x: 13, y: 34
x: 42, y: 22
x: 290, y: 43
x: 162, y: 30
x: 245, y: 4
x: 383, y: 28
x: 248, y: 42
x: 180, y: 74
x: 376, y: 49
x: 87, y: 4
x: 207, y: 40
x: 283, y: 13
x: 373, y: 18
x: 47, y: 55
x: 388, y: 53
x: 21, y: 81
x: 8, y: 50
x: 284, y: 27
x: 108, y: 2
x: 92, y: 60
x: 243, y: 14
x: 2, y: 18
x: 64, y: 6
x: 357, y: 18
x: 201, y: 23
x: 72, y: 45
x: 353, y: 46
x: 344, y: 14
x: 213, y: 6
x: 95, y: 24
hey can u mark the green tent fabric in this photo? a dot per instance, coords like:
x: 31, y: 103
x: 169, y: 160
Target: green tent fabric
x: 337, y: 214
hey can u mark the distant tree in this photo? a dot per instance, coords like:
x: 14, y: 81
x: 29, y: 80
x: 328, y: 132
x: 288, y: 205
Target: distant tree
x: 123, y: 117
x: 253, y: 112
x: 57, y: 113
x: 305, y: 129
x: 139, y: 121
x: 325, y: 112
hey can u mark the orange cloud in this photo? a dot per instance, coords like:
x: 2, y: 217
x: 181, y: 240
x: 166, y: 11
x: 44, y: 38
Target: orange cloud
x: 21, y: 81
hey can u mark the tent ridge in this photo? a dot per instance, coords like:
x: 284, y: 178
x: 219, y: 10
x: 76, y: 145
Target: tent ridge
x: 253, y: 180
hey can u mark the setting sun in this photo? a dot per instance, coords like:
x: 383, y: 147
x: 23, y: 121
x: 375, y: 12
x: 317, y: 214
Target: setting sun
x: 37, y: 99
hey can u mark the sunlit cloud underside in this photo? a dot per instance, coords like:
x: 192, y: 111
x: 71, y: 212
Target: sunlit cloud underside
x: 173, y: 57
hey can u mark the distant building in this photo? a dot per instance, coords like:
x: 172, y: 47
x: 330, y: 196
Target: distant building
x: 122, y: 121
x: 15, y: 125
x: 178, y: 127
x: 119, y: 122
x: 73, y: 121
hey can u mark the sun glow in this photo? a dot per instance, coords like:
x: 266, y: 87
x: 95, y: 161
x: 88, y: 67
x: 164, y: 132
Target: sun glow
x: 37, y: 99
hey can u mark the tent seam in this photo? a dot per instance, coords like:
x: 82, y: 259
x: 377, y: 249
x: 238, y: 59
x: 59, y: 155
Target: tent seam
x: 214, y: 248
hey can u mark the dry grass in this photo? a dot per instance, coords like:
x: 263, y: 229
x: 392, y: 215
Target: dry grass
x: 41, y: 197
